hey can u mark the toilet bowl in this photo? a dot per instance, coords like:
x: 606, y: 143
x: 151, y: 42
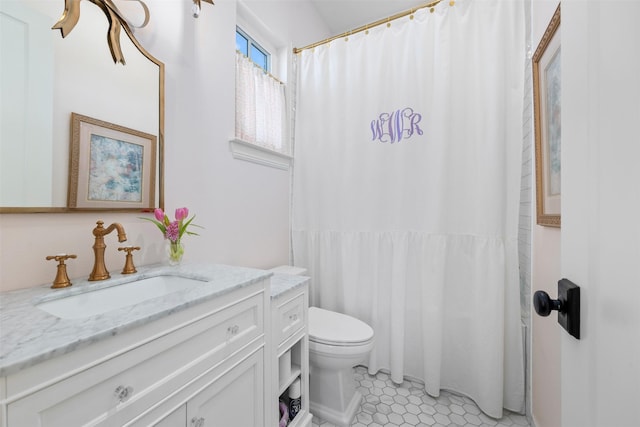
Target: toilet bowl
x: 337, y: 343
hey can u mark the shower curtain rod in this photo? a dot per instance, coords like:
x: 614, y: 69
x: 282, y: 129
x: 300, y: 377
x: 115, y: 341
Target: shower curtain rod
x: 387, y: 20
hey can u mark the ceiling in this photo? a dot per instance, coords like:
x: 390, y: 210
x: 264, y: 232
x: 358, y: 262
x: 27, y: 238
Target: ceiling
x: 342, y: 16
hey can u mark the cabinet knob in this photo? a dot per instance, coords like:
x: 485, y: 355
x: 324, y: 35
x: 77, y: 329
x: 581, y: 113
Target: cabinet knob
x: 123, y: 393
x: 233, y: 330
x: 293, y: 317
x: 197, y: 422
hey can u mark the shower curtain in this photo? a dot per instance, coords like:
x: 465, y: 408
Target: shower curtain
x: 406, y: 191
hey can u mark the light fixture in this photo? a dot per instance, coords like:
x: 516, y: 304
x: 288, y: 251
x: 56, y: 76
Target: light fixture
x: 197, y: 7
x: 117, y: 22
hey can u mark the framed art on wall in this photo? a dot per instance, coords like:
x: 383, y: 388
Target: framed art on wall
x: 111, y: 166
x: 547, y: 108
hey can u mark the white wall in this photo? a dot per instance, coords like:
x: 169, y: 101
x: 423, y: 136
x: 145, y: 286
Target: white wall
x: 545, y: 353
x: 244, y: 207
x: 545, y: 348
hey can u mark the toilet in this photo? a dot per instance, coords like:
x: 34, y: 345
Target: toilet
x: 337, y: 343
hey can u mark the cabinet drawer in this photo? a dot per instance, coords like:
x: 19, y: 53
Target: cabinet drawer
x: 118, y: 389
x: 290, y: 318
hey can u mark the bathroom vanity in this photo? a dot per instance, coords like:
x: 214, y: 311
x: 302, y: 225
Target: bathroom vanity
x: 289, y: 309
x: 199, y: 356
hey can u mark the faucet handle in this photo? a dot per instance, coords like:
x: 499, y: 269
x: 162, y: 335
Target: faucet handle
x: 128, y: 264
x: 61, y: 280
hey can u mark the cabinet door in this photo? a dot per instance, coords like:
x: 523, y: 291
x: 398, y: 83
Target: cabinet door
x: 235, y: 399
x: 177, y: 418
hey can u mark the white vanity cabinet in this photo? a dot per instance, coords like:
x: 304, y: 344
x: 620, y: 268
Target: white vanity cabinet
x: 234, y: 399
x: 291, y: 349
x: 201, y: 366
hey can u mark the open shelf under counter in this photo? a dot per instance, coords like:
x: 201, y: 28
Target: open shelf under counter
x: 289, y: 307
x: 295, y: 373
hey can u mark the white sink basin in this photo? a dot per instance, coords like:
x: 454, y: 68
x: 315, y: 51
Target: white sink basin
x: 104, y: 300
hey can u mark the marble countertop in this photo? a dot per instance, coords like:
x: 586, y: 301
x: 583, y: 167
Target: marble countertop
x: 281, y: 283
x: 29, y: 335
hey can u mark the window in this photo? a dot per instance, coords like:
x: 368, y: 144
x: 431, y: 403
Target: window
x: 261, y: 107
x: 252, y: 50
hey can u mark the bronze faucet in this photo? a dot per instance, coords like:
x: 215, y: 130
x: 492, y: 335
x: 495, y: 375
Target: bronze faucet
x: 62, y: 279
x: 99, y: 269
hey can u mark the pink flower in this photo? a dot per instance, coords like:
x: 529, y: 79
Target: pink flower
x: 182, y: 213
x: 173, y: 231
x: 159, y: 214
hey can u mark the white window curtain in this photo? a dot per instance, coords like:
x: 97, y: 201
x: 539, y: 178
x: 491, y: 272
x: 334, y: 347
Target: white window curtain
x: 260, y: 106
x: 406, y: 193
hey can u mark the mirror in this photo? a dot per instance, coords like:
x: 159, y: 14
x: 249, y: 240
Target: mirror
x: 45, y: 78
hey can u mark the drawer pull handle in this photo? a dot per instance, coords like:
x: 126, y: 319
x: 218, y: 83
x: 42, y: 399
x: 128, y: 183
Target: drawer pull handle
x: 233, y: 330
x: 123, y: 393
x: 197, y: 422
x: 293, y: 317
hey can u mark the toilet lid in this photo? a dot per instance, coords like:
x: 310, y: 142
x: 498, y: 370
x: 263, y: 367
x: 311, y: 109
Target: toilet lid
x: 329, y: 327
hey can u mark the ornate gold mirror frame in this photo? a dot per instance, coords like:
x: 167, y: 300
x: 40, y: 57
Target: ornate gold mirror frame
x: 117, y: 22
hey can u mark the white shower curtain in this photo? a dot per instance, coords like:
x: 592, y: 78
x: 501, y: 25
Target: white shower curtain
x: 406, y: 191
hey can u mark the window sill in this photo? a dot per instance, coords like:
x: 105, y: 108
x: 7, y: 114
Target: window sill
x: 247, y: 151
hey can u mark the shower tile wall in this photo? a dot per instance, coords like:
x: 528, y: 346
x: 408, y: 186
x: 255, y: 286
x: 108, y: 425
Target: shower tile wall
x: 526, y: 215
x: 390, y: 405
x: 526, y: 207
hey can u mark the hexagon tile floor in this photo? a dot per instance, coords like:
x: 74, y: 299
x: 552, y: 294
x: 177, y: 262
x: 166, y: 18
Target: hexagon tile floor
x: 405, y: 405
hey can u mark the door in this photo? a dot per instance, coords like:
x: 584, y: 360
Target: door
x: 234, y: 400
x: 177, y: 418
x: 600, y: 237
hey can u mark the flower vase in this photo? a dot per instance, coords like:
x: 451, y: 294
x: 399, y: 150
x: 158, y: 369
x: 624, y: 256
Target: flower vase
x: 175, y: 251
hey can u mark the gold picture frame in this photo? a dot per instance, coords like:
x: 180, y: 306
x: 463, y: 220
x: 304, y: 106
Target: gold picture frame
x: 547, y: 105
x: 110, y: 166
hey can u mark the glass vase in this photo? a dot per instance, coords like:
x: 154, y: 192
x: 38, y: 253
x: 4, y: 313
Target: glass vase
x: 175, y: 252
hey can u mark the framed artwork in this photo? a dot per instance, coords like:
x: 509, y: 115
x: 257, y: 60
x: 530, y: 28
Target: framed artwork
x: 111, y: 166
x: 547, y: 107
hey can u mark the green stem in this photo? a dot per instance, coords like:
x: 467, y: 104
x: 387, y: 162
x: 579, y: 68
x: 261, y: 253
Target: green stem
x: 176, y: 251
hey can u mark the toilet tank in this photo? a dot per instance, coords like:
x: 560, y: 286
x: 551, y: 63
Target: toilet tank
x: 290, y: 269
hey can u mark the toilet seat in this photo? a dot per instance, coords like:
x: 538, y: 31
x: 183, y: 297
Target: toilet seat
x: 336, y: 329
x: 338, y: 351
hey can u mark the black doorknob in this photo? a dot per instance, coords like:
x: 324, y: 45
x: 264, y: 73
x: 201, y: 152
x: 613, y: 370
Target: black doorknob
x: 567, y: 304
x: 544, y: 304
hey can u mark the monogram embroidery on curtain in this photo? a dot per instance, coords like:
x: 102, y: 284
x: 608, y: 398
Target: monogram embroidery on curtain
x: 396, y: 125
